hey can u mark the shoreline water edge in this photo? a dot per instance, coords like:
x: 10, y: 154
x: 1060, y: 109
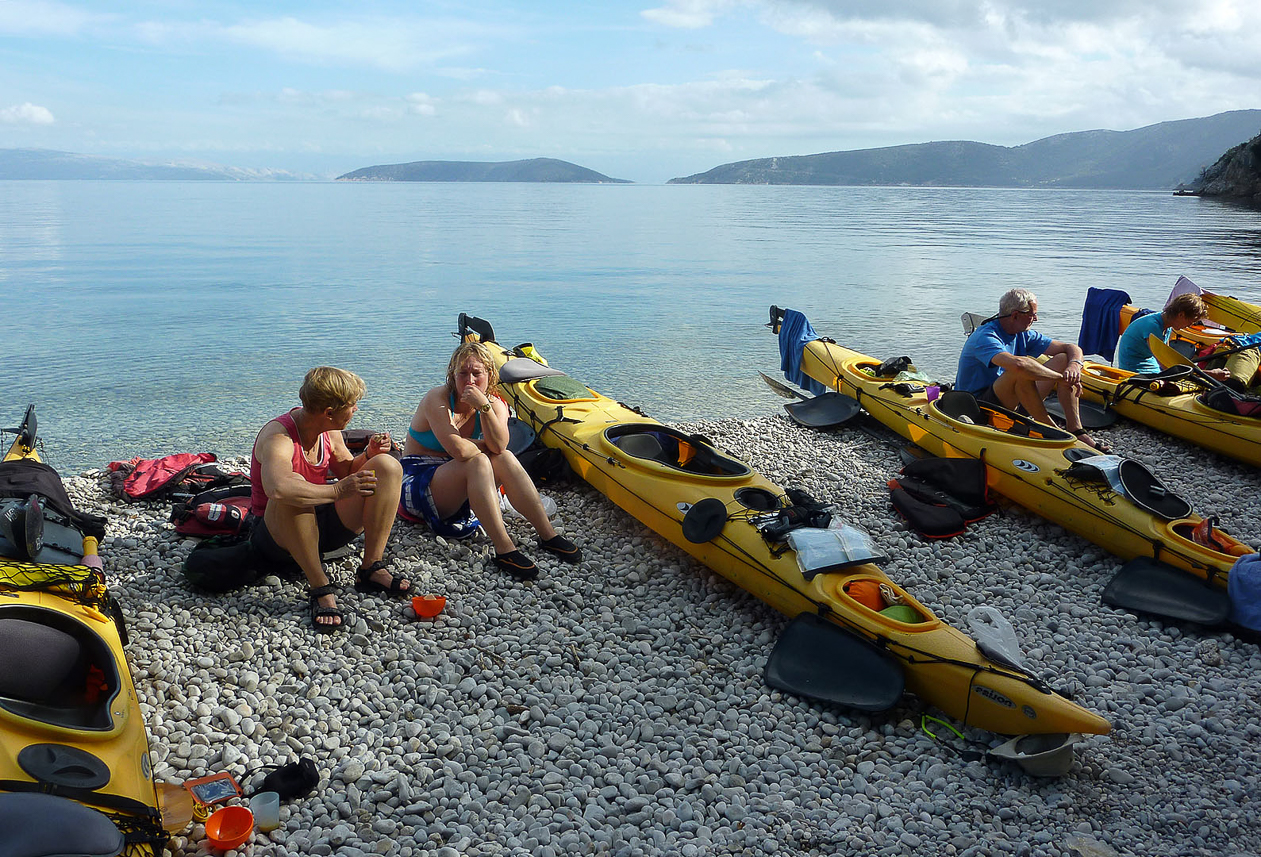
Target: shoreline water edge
x: 618, y: 707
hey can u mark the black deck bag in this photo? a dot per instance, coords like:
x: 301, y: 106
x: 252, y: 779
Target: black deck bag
x: 930, y: 521
x: 223, y: 563
x: 544, y: 464
x: 1231, y: 402
x: 26, y: 477
x: 961, y: 478
x: 971, y: 513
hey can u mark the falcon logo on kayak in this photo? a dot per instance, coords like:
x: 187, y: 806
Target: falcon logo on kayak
x: 993, y: 696
x: 1026, y: 466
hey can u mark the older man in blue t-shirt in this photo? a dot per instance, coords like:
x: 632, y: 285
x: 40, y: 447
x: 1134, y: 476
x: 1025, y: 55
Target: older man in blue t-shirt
x: 999, y: 365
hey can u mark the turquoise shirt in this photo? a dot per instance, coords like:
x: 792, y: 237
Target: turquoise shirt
x: 1133, y: 352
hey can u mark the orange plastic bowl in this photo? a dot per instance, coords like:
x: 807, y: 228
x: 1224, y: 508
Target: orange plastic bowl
x: 229, y: 827
x: 428, y: 606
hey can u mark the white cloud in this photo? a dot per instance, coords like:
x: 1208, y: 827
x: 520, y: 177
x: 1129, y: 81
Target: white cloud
x: 395, y: 45
x: 26, y: 114
x: 687, y: 14
x: 485, y: 97
x: 39, y: 18
x: 421, y: 104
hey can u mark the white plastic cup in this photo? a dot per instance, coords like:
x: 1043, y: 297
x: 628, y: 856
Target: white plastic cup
x: 266, y: 809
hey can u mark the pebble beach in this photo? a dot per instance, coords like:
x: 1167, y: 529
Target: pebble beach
x: 617, y: 706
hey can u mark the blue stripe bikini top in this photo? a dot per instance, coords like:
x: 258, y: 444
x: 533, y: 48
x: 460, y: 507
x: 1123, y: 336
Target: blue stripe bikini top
x: 429, y: 440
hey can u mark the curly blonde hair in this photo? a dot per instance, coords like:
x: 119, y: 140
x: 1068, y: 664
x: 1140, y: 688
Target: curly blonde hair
x: 463, y: 353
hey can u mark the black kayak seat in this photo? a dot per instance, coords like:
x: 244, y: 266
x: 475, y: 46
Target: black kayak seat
x: 43, y: 825
x: 641, y: 446
x: 71, y: 682
x: 35, y: 659
x: 958, y: 404
x: 674, y: 448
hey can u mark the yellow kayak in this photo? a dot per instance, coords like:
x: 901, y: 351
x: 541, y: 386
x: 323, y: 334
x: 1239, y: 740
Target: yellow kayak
x: 1239, y: 316
x: 1176, y: 408
x: 70, y: 720
x: 1030, y: 468
x: 659, y: 475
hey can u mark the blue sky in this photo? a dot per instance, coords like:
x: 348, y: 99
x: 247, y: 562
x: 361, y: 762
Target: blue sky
x: 644, y: 91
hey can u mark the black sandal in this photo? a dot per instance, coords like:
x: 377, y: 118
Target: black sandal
x: 517, y: 564
x: 318, y: 610
x: 365, y: 583
x: 1101, y: 447
x: 563, y: 548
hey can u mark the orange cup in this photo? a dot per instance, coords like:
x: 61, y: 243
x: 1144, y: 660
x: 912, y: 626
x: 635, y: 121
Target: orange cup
x: 229, y: 827
x: 428, y: 606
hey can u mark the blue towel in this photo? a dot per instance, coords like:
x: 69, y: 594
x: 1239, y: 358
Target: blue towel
x: 794, y: 332
x: 1101, y: 321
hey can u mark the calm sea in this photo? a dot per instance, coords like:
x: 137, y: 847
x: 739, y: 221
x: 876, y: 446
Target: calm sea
x: 145, y: 318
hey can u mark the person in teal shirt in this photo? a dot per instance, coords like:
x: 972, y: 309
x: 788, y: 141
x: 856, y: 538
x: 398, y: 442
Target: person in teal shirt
x: 1133, y: 352
x: 456, y: 458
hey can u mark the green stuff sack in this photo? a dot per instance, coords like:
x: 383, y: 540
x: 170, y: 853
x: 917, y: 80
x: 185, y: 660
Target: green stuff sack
x: 562, y: 388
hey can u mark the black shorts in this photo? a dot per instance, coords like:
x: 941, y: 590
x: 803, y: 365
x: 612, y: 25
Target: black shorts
x: 988, y: 397
x: 333, y: 535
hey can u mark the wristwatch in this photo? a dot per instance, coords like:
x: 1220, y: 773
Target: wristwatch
x: 485, y: 409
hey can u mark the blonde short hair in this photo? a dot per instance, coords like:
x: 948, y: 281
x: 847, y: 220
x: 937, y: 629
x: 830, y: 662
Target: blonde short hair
x: 330, y: 387
x: 466, y: 350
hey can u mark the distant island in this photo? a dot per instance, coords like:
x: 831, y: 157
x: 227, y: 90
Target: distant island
x: 1236, y: 175
x: 532, y: 170
x: 48, y: 164
x: 1156, y: 157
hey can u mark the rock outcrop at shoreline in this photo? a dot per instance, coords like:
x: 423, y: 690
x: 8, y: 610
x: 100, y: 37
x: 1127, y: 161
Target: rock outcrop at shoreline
x: 1236, y: 175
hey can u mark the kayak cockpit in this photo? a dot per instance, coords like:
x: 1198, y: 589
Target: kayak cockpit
x: 55, y: 670
x: 674, y: 449
x: 962, y: 407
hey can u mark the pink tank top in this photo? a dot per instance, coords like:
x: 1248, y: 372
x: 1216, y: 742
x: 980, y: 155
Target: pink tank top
x: 316, y: 474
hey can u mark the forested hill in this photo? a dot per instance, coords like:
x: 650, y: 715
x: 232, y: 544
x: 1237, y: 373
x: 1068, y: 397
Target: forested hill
x: 1158, y: 157
x: 533, y: 170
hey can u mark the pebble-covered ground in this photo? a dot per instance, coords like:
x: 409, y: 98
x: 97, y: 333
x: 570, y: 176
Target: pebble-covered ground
x: 617, y: 706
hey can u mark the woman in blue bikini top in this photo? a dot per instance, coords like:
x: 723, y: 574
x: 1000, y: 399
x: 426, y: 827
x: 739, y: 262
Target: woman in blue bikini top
x: 464, y: 421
